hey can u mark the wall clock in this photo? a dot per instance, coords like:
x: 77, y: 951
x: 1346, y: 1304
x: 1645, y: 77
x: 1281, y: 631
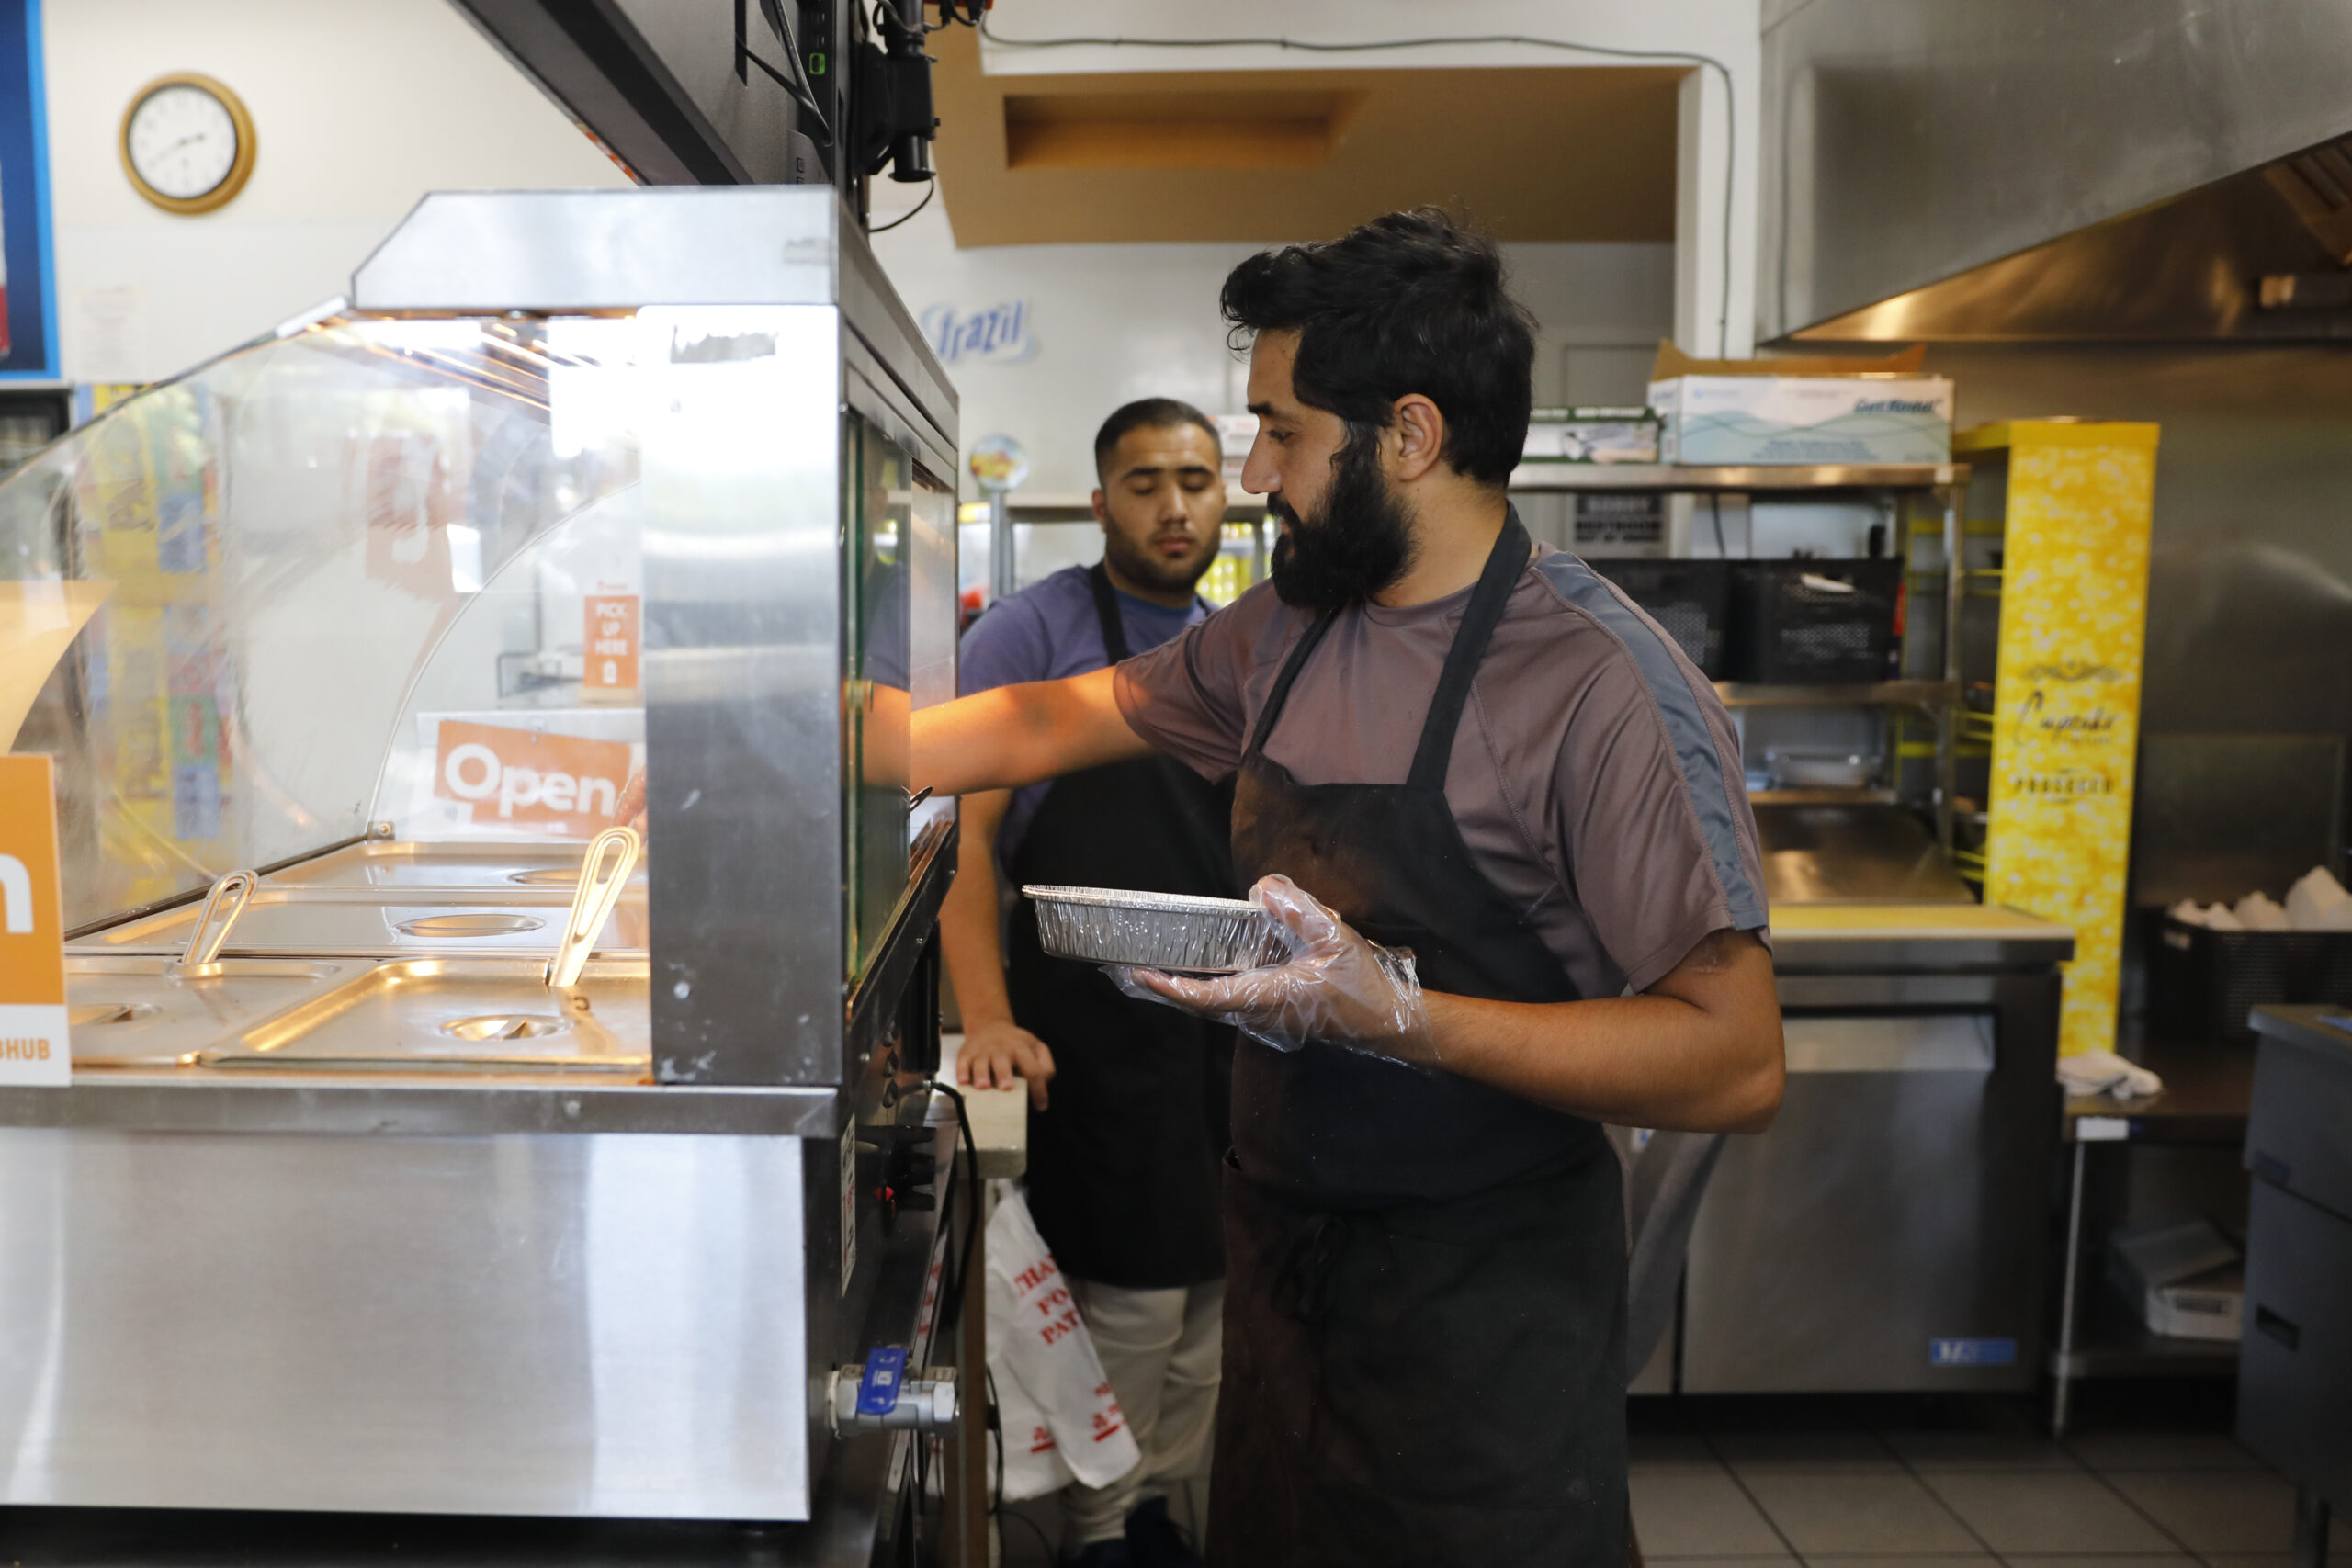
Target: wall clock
x: 188, y: 143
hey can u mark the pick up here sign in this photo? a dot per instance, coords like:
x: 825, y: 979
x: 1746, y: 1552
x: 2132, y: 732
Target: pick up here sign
x: 34, y: 1048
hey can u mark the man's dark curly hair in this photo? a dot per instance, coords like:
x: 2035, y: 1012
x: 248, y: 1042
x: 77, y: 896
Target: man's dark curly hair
x: 1412, y: 303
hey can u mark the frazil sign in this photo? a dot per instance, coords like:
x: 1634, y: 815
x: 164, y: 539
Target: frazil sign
x: 34, y: 1047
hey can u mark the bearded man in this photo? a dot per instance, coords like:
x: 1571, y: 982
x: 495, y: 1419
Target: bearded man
x: 1498, y: 818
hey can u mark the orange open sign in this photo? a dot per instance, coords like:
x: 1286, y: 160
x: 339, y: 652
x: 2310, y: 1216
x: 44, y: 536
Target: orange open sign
x: 560, y: 785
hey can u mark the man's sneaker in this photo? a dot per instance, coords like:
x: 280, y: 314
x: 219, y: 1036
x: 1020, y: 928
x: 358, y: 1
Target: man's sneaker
x: 1103, y: 1554
x: 1153, y: 1540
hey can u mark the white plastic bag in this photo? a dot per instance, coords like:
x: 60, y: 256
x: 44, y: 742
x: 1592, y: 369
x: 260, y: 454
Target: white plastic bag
x: 1047, y: 1373
x: 1032, y: 1457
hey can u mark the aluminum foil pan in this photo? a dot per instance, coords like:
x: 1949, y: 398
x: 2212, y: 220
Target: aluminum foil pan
x: 1156, y: 930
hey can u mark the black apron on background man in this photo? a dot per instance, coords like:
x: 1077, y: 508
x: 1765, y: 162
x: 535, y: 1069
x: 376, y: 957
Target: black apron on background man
x: 1424, y: 1332
x: 1126, y: 1163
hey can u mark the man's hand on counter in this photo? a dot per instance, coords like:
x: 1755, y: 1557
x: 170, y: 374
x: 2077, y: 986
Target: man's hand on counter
x: 995, y: 1056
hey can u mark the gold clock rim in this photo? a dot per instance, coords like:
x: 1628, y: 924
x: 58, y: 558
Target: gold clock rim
x: 240, y: 170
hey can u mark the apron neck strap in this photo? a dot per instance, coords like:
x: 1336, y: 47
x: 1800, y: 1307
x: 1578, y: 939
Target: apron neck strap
x: 1280, y: 695
x: 1106, y: 610
x: 1504, y: 563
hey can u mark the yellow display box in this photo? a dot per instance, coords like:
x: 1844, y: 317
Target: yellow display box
x: 2066, y: 691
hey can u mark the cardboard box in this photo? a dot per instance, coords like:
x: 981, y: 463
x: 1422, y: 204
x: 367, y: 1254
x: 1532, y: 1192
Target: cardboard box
x: 1593, y: 435
x: 2209, y: 1306
x: 1800, y: 411
x: 2182, y: 1275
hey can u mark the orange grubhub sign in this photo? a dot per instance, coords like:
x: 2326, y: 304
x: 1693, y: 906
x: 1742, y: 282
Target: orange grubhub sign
x: 34, y: 1048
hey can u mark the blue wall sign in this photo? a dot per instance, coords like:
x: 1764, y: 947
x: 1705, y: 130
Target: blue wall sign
x: 998, y: 335
x: 28, y: 296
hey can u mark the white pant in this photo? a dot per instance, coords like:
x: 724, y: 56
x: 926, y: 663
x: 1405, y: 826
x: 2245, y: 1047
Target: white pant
x: 1160, y: 1349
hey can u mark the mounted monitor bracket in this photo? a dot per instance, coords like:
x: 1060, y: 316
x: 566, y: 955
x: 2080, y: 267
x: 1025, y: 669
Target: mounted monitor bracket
x: 788, y: 91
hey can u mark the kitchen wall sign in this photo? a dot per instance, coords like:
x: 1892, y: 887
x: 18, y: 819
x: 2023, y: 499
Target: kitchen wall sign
x: 1000, y: 334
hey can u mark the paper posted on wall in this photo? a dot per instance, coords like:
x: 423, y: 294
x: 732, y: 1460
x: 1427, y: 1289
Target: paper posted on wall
x: 1058, y: 1418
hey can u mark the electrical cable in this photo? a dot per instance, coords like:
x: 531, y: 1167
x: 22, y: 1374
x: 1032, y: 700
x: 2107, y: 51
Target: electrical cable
x: 996, y: 1483
x: 1305, y: 46
x: 909, y: 213
x: 951, y: 1309
x: 792, y: 91
x: 996, y: 1506
x: 804, y: 93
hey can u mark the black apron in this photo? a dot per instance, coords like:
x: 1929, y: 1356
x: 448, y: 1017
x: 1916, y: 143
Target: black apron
x: 1425, y: 1318
x: 1124, y: 1165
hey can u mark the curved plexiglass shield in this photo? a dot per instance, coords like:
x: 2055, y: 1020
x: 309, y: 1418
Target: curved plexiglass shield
x: 387, y: 575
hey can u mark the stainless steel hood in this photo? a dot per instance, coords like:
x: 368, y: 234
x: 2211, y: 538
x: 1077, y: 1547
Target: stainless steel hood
x: 2012, y: 169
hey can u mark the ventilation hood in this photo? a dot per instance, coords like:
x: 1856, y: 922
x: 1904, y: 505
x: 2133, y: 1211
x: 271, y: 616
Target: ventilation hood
x: 2012, y: 170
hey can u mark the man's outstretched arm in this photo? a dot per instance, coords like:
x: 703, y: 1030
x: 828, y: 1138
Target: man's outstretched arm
x: 1025, y: 734
x: 1000, y: 739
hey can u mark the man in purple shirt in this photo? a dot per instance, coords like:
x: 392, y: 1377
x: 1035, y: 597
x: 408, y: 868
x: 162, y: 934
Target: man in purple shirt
x: 1126, y: 1145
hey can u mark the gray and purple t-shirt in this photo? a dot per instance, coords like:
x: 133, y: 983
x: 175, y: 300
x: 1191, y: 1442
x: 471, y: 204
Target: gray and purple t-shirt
x: 1595, y: 777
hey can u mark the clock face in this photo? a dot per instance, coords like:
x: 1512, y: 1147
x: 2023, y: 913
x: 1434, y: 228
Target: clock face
x: 182, y: 142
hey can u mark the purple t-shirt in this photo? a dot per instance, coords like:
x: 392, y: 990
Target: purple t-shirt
x: 1595, y: 777
x: 1048, y: 631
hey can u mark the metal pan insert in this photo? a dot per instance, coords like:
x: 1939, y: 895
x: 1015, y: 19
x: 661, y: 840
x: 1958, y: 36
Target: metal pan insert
x: 462, y: 1015
x: 129, y: 1011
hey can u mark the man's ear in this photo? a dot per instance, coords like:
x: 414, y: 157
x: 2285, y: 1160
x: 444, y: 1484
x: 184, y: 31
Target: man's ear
x: 1419, y: 432
x: 1101, y: 513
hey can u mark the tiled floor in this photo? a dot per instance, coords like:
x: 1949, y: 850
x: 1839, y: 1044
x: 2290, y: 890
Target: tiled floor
x: 1739, y: 1493
x: 1827, y: 1485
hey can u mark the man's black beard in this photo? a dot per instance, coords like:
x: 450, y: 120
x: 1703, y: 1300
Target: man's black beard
x: 1361, y: 542
x: 1138, y: 565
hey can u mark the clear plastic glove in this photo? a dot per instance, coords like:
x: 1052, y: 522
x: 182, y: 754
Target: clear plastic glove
x: 1336, y: 987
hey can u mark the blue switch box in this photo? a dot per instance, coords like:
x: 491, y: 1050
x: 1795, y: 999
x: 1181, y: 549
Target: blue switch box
x: 885, y: 1372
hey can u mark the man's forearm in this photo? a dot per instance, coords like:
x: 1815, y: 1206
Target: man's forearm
x: 970, y: 931
x: 1025, y: 734
x: 969, y: 934
x: 1713, y: 1064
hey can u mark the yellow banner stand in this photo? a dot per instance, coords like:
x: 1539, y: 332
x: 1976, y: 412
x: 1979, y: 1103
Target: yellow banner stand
x: 2073, y: 579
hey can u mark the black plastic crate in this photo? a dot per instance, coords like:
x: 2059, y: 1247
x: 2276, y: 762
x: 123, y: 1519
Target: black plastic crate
x: 1689, y: 600
x: 1802, y: 622
x: 2202, y: 983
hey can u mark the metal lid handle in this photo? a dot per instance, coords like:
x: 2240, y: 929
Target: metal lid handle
x: 605, y: 871
x: 213, y: 922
